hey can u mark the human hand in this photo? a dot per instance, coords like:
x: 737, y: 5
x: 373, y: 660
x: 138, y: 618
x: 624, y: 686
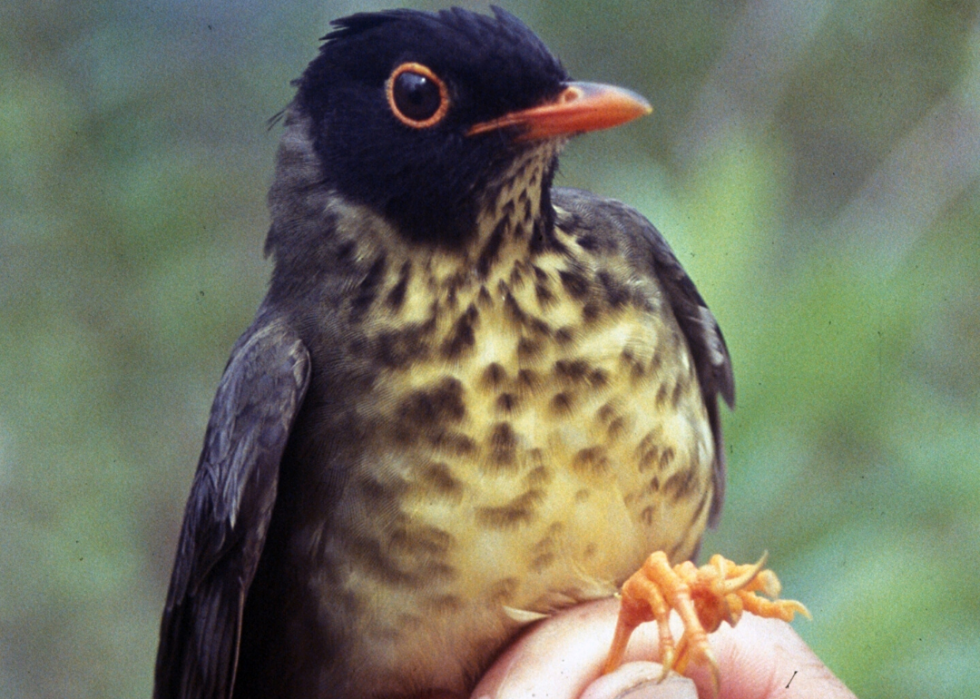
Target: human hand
x: 560, y: 659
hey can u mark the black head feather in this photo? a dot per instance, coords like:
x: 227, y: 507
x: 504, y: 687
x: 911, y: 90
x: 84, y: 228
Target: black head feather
x: 426, y: 181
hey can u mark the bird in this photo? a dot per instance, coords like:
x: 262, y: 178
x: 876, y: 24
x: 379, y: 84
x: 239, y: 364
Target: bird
x: 469, y: 398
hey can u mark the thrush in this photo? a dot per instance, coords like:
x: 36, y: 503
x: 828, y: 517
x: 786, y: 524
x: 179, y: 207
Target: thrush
x: 469, y: 398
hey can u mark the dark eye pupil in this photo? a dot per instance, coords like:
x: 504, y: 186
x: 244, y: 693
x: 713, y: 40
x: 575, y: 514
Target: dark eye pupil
x: 416, y: 96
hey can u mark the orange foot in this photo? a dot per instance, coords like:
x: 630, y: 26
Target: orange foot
x: 703, y: 597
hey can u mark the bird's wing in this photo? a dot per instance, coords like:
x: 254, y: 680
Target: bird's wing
x: 228, y: 513
x: 619, y: 226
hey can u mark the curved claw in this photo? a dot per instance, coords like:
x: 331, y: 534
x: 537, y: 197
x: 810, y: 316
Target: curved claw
x: 703, y: 597
x: 737, y: 583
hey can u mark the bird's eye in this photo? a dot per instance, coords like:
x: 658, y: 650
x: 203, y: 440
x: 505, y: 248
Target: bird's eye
x: 417, y: 96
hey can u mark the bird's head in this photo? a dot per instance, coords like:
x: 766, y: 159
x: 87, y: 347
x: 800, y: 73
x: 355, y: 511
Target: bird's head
x: 427, y: 118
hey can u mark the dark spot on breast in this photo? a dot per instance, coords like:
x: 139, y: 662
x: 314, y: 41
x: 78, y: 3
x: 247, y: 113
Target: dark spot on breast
x: 493, y: 376
x: 453, y: 443
x: 442, y: 403
x: 544, y: 239
x: 564, y: 335
x: 593, y: 461
x: 542, y: 561
x: 561, y: 403
x: 396, y: 349
x: 646, y: 516
x: 437, y: 478
x: 514, y: 310
x: 544, y: 295
x: 369, y: 557
x: 661, y: 399
x: 545, y: 543
x: 616, y: 428
x: 615, y: 291
x: 421, y: 540
x: 598, y: 378
x: 574, y: 283
x: 520, y: 510
x: 537, y: 476
x: 516, y: 278
x: 679, y: 389
x: 650, y: 458
x: 368, y: 289
x: 649, y: 454
x: 681, y: 484
x: 484, y: 299
x: 591, y: 312
x: 571, y: 372
x: 488, y: 255
x: 396, y: 297
x: 656, y: 362
x: 528, y: 349
x: 654, y: 485
x: 506, y: 402
x: 461, y: 337
x: 582, y: 495
x: 503, y: 445
x: 528, y: 381
x: 605, y: 413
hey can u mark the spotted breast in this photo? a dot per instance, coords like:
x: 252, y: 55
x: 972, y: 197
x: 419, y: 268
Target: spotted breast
x: 519, y: 423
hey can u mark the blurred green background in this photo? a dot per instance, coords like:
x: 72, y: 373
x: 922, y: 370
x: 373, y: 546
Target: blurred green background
x: 815, y: 166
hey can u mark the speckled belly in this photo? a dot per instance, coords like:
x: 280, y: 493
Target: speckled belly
x: 546, y: 434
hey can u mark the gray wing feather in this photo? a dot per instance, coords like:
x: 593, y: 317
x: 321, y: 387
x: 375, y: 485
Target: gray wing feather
x: 228, y: 513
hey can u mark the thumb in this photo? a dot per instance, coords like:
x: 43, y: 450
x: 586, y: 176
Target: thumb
x: 640, y: 680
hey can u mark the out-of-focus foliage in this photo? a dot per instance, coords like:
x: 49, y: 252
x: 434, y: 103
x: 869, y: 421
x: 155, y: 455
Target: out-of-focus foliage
x: 815, y: 166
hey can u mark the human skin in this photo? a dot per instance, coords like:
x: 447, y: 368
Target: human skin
x: 560, y: 659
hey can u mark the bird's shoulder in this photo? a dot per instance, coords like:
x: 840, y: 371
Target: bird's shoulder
x: 603, y: 225
x: 229, y: 509
x: 609, y: 227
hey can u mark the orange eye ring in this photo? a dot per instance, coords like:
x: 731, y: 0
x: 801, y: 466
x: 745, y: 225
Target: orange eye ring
x: 424, y: 72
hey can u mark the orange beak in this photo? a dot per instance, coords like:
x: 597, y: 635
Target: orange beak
x: 579, y: 108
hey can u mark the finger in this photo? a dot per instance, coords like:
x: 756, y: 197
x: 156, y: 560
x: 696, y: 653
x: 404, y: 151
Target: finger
x: 640, y: 680
x: 561, y: 657
x: 765, y: 658
x: 557, y: 658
